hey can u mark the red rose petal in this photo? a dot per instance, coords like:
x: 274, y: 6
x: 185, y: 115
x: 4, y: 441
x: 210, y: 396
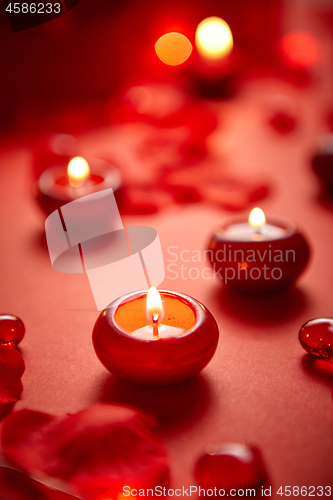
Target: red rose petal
x: 144, y: 200
x: 94, y: 450
x: 11, y: 371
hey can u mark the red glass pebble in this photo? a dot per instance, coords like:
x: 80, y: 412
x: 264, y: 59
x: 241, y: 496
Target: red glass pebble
x: 11, y: 371
x: 231, y: 466
x: 11, y: 330
x: 316, y: 337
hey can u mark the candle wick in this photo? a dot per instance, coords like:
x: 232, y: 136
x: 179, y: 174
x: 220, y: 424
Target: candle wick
x: 155, y: 326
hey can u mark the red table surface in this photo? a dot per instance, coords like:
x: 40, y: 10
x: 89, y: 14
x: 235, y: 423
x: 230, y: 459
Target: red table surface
x: 260, y: 388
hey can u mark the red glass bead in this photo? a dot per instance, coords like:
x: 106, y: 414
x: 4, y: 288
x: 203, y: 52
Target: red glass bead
x: 12, y: 330
x: 231, y: 466
x: 316, y: 337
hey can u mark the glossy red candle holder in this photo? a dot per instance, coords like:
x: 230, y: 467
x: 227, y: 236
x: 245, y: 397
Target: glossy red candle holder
x: 53, y: 190
x: 259, y: 266
x: 163, y: 361
x: 213, y: 79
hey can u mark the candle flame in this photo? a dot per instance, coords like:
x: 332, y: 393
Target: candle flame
x: 154, y: 306
x: 257, y: 219
x: 213, y: 38
x: 78, y: 171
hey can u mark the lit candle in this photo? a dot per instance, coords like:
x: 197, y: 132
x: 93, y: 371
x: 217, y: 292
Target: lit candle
x: 213, y: 70
x: 213, y: 39
x: 59, y: 184
x: 155, y: 338
x: 258, y: 255
x: 155, y: 313
x: 256, y: 229
x: 78, y: 171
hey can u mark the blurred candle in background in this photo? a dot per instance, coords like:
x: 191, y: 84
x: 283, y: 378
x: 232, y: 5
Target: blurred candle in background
x: 78, y: 171
x: 213, y: 39
x: 213, y: 70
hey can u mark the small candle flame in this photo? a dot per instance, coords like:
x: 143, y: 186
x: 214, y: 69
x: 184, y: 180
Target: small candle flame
x: 78, y: 171
x: 154, y: 306
x: 213, y: 38
x: 257, y: 219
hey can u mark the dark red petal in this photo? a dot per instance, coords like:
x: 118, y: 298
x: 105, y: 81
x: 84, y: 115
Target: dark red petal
x: 15, y: 485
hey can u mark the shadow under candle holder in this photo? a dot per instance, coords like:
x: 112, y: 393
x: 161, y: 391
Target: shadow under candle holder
x: 173, y: 407
x: 38, y: 241
x: 279, y: 307
x: 325, y: 198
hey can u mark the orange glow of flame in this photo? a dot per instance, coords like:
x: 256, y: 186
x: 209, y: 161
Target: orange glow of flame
x: 257, y: 219
x: 213, y: 38
x: 154, y: 308
x: 173, y: 48
x: 300, y: 48
x: 78, y: 171
x: 112, y: 495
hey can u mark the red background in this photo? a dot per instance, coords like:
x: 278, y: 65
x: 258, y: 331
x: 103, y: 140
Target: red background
x: 260, y: 388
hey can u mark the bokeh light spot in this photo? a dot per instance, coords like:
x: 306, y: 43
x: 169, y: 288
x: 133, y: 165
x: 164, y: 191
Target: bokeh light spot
x: 300, y: 48
x: 173, y: 48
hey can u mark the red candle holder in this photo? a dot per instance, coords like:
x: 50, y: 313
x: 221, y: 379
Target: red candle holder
x: 53, y: 189
x: 214, y: 68
x: 268, y: 260
x: 161, y: 361
x: 214, y: 79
